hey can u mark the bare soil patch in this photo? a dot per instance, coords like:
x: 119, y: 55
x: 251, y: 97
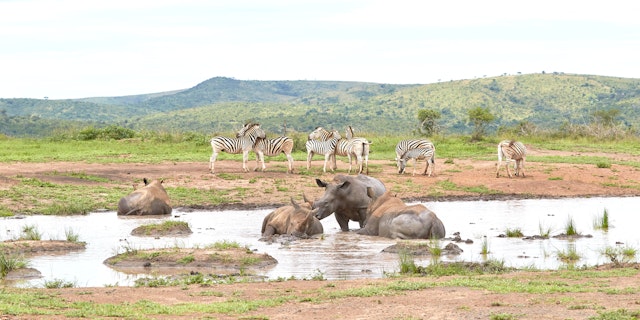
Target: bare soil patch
x: 459, y: 180
x: 31, y: 247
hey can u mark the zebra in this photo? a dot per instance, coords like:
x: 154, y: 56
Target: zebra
x: 241, y: 144
x: 427, y: 154
x: 405, y: 145
x: 351, y: 147
x: 511, y: 150
x: 270, y: 147
x: 327, y: 148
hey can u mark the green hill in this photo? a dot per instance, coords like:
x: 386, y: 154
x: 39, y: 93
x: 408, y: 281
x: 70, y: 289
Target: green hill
x: 223, y: 104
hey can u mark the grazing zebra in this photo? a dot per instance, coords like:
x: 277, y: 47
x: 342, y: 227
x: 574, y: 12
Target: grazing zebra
x: 270, y: 147
x: 240, y: 144
x: 327, y: 148
x: 405, y: 145
x: 511, y: 150
x: 427, y: 154
x: 353, y: 148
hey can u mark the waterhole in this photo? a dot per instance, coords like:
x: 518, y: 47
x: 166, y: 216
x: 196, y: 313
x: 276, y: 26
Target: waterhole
x: 342, y: 255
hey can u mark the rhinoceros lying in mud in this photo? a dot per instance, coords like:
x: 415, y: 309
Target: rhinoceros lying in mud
x: 388, y: 216
x: 295, y: 219
x: 346, y: 196
x: 151, y: 199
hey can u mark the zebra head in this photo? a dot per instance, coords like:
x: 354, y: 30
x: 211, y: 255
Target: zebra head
x: 402, y: 164
x: 319, y: 134
x: 251, y: 130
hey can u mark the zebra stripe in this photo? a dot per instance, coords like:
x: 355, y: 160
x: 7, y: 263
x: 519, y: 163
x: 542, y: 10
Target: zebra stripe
x: 274, y: 147
x: 427, y: 154
x: 353, y: 148
x: 405, y: 145
x: 326, y: 148
x: 241, y: 144
x: 511, y: 150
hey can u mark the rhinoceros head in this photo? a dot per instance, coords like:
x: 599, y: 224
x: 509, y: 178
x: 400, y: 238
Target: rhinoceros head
x: 333, y: 196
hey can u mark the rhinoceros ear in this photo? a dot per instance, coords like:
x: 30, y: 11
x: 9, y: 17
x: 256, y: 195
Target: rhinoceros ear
x: 321, y: 183
x: 371, y: 193
x: 345, y: 184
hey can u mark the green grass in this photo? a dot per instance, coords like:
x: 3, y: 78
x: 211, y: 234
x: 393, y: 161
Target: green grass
x: 163, y: 227
x: 34, y: 196
x: 31, y: 303
x: 30, y: 232
x: 570, y: 227
x: 602, y: 222
x: 225, y: 244
x: 620, y: 255
x: 71, y: 235
x: 513, y: 233
x: 383, y: 147
x: 10, y: 262
x: 569, y: 256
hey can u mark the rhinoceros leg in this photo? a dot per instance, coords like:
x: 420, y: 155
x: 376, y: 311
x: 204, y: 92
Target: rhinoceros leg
x: 269, y: 230
x: 343, y: 222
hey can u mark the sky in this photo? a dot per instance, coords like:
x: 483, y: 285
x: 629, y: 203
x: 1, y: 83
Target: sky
x: 63, y: 49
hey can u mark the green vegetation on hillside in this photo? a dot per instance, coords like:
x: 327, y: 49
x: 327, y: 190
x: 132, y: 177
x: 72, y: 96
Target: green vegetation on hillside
x: 534, y: 101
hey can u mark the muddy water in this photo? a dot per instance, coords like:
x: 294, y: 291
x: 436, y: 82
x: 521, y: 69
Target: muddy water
x: 340, y: 255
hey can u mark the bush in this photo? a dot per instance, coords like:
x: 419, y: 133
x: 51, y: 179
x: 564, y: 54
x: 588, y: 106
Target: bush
x: 111, y: 132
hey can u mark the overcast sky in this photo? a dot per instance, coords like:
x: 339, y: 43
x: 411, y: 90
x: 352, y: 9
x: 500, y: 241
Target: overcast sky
x: 78, y: 48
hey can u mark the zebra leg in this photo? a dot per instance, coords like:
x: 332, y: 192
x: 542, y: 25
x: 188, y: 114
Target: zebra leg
x: 520, y: 164
x: 245, y: 158
x: 290, y: 161
x: 260, y: 160
x: 212, y: 161
x: 415, y: 160
x: 508, y: 171
x: 327, y: 157
x: 366, y: 158
x: 309, y: 156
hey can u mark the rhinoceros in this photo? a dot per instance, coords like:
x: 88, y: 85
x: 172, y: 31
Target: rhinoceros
x: 346, y: 196
x: 151, y: 199
x: 295, y: 219
x: 388, y: 216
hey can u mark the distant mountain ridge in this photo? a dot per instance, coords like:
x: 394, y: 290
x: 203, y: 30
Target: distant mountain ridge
x: 222, y: 104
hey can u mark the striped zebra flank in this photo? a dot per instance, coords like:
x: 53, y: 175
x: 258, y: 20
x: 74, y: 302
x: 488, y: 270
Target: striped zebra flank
x: 511, y: 150
x: 354, y: 148
x: 427, y: 154
x: 241, y: 144
x: 405, y: 145
x: 326, y: 148
x: 272, y: 148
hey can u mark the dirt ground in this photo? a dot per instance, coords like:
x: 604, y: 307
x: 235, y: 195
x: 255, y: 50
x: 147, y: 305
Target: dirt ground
x: 453, y: 181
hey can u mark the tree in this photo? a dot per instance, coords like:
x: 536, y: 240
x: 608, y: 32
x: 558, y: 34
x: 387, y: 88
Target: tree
x: 480, y: 117
x: 427, y: 118
x: 606, y: 118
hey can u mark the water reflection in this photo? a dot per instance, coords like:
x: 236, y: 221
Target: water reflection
x: 340, y: 255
